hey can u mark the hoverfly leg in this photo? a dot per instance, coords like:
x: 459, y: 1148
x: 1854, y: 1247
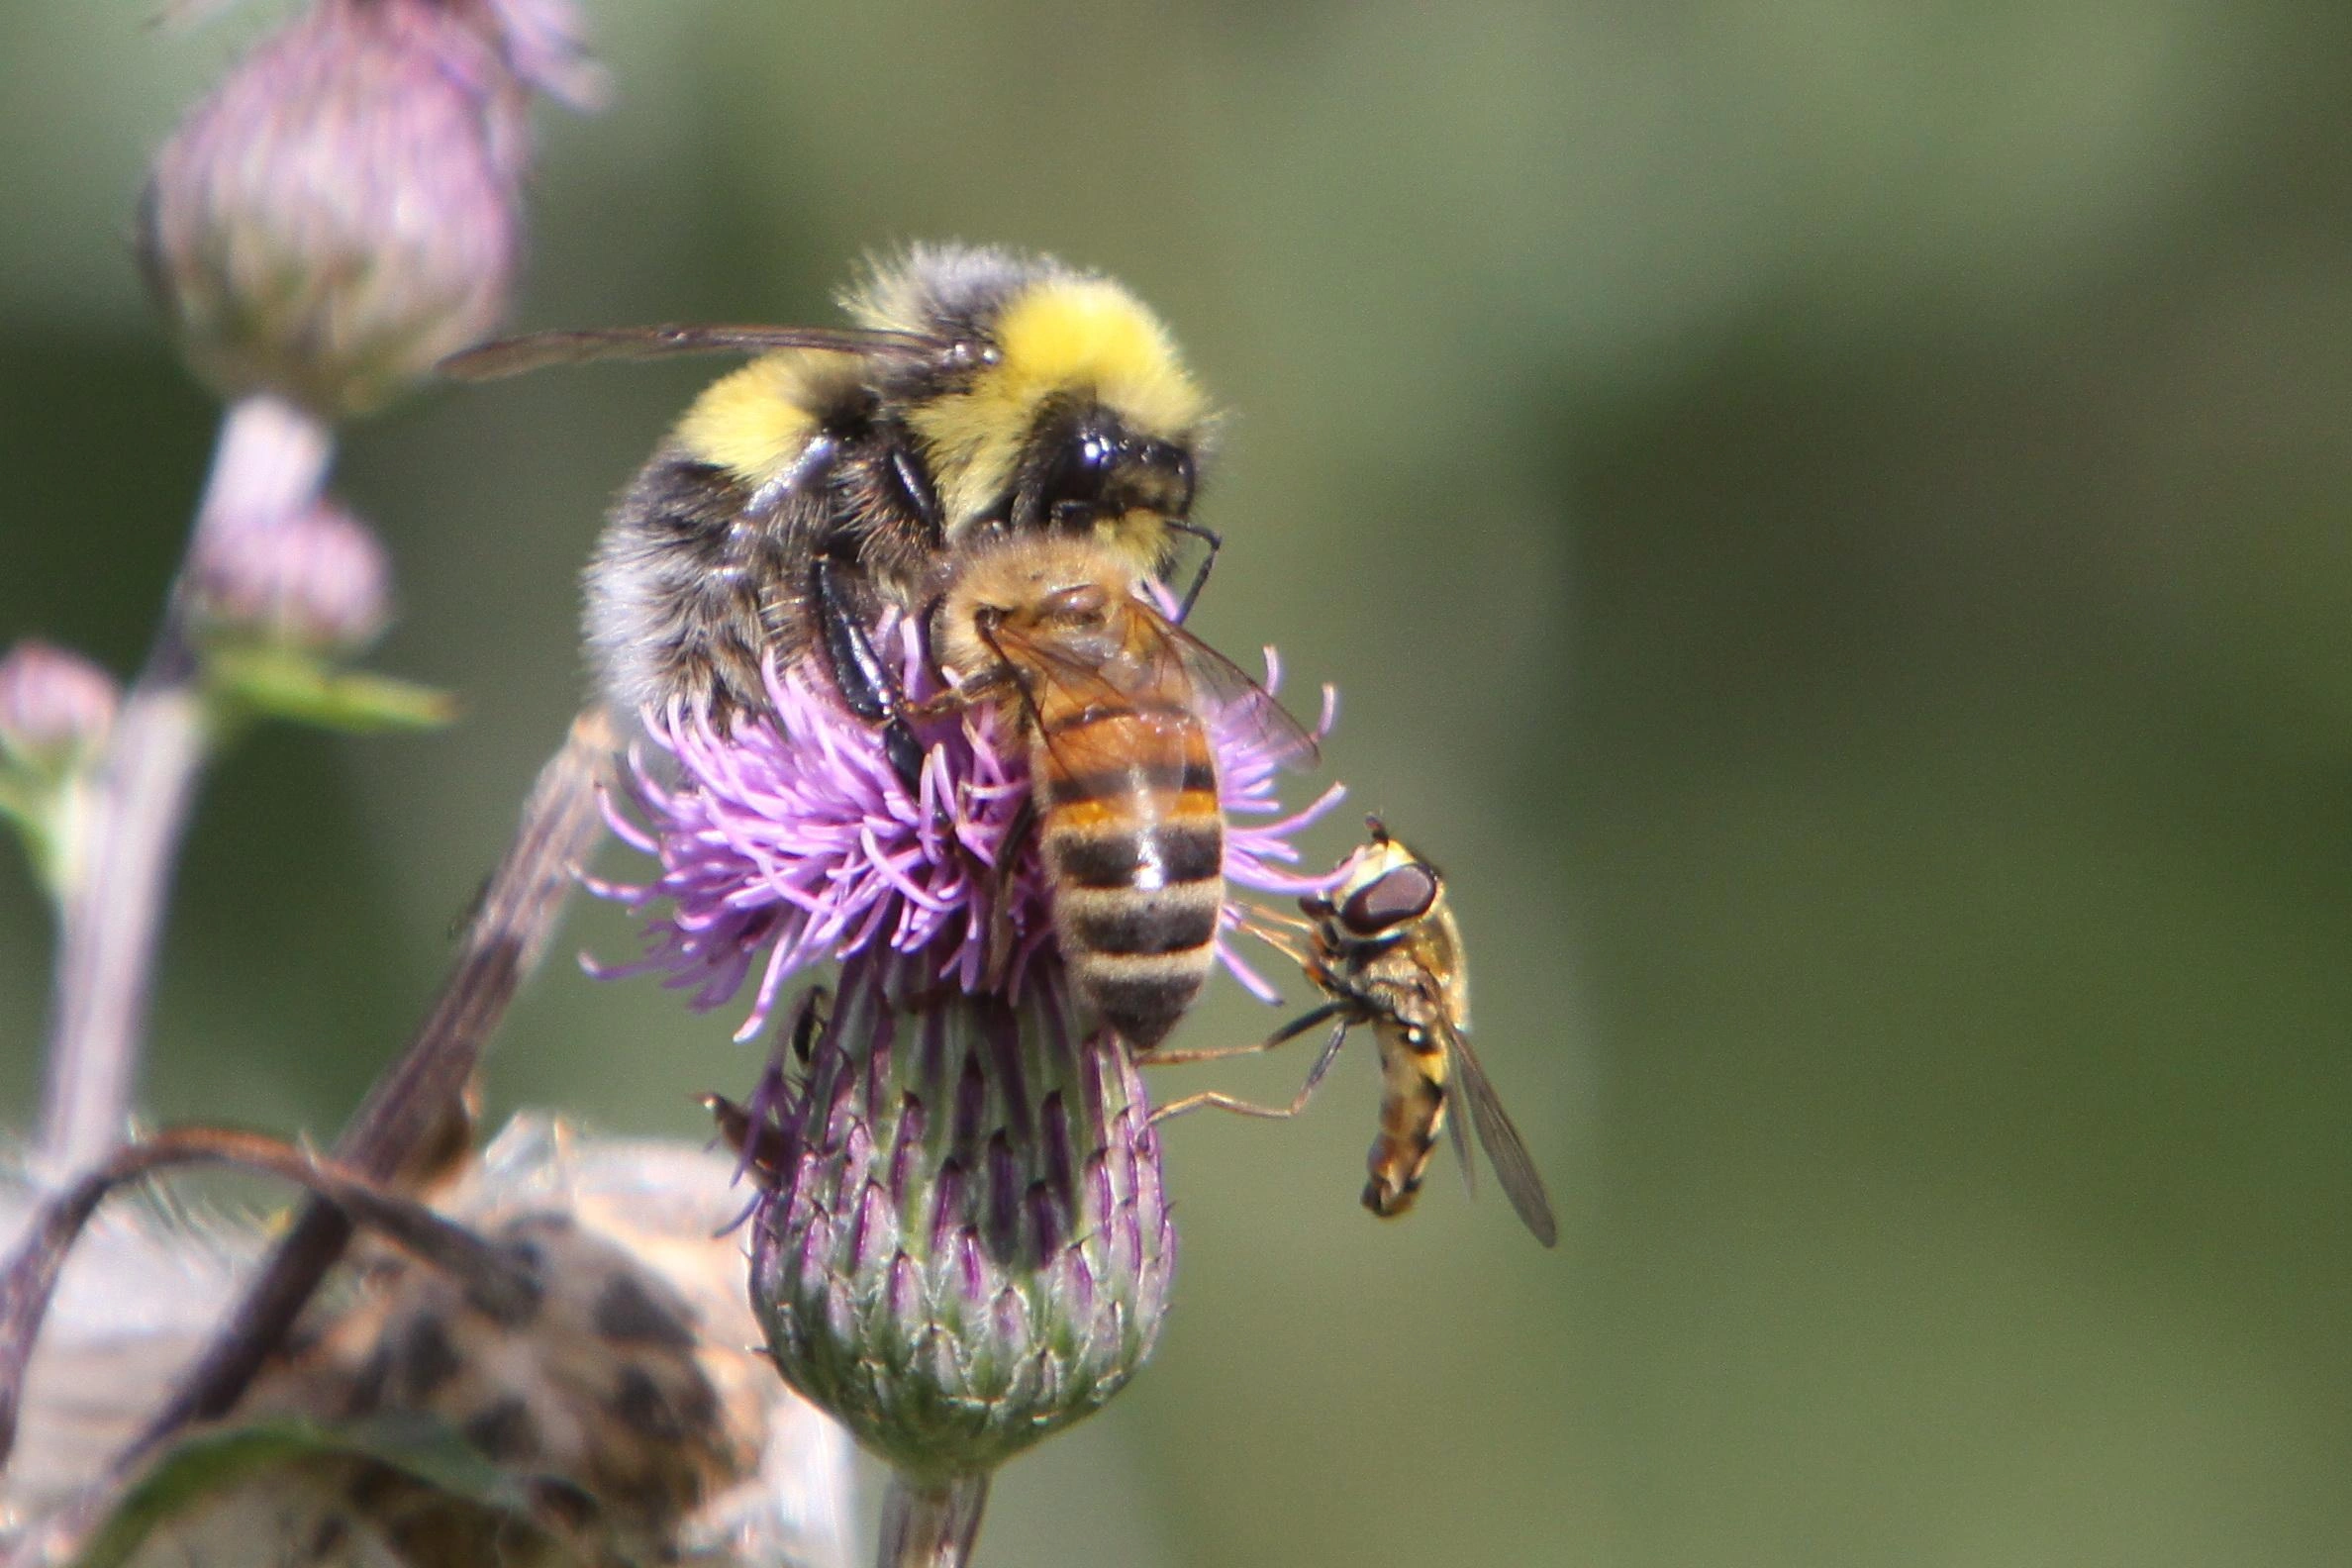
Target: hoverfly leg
x: 1216, y: 543
x: 1315, y: 1074
x: 1280, y: 1037
x: 868, y: 684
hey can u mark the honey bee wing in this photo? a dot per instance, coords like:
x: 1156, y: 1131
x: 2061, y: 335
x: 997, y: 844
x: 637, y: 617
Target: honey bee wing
x: 1514, y: 1167
x: 1090, y: 684
x: 538, y: 350
x: 1232, y: 699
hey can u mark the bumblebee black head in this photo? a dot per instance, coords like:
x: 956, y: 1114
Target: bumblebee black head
x: 1084, y: 467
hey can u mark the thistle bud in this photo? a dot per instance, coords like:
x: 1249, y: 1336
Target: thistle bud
x: 967, y: 1248
x: 56, y: 706
x: 318, y: 582
x: 344, y: 209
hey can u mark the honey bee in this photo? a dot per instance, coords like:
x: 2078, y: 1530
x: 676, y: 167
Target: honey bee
x: 1384, y: 948
x: 613, y: 1399
x: 831, y: 479
x: 1114, y: 701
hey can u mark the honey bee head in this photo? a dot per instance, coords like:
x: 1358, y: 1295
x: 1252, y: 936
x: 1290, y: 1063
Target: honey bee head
x: 1029, y: 589
x: 1388, y: 892
x: 1062, y: 405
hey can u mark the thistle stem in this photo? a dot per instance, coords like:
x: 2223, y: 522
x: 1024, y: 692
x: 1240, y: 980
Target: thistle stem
x: 269, y: 461
x: 931, y: 1524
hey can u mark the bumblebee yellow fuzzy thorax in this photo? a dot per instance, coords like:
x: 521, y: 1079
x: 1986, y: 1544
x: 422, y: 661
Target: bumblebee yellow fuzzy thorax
x: 756, y: 422
x: 1062, y: 338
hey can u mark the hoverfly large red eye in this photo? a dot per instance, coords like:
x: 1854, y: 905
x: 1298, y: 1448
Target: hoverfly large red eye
x: 1391, y: 899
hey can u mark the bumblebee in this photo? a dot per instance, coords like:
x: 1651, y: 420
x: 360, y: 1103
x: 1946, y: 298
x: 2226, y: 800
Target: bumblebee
x: 1384, y: 948
x: 837, y: 474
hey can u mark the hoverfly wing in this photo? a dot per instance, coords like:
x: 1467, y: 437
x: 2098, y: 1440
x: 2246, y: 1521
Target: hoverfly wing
x: 1233, y: 701
x: 1514, y: 1168
x: 540, y: 350
x: 1457, y: 1114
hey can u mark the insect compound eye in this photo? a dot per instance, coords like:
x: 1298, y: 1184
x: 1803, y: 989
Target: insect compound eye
x: 1164, y: 477
x: 1080, y: 604
x: 1070, y: 492
x: 1388, y: 900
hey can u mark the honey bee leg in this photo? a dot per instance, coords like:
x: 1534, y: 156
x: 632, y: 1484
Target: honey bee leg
x: 1002, y: 936
x: 1224, y: 1102
x: 1216, y: 543
x: 869, y: 685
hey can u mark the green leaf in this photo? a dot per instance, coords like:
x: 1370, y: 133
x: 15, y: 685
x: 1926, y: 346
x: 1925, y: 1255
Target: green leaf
x: 285, y: 683
x: 425, y: 1450
x: 32, y: 810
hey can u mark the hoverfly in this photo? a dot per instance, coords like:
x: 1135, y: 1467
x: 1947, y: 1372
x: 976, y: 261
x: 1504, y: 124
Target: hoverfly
x: 1385, y: 950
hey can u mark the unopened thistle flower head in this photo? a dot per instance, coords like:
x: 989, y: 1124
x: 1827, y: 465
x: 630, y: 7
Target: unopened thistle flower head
x: 319, y: 580
x: 344, y: 209
x: 964, y: 1244
x: 56, y: 706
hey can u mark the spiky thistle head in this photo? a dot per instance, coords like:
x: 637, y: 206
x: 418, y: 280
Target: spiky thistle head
x: 964, y: 1244
x: 317, y: 580
x: 345, y: 208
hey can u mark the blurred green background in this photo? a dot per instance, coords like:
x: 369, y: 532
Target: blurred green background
x: 1831, y: 520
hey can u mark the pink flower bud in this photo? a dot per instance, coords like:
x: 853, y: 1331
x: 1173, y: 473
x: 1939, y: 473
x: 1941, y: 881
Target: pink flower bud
x: 317, y: 580
x: 344, y: 209
x: 54, y: 704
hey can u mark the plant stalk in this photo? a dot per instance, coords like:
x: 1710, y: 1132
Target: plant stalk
x: 269, y: 461
x: 931, y: 1524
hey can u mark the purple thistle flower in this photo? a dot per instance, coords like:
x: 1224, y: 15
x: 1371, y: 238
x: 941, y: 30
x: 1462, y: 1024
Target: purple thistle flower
x: 964, y: 1242
x: 790, y: 840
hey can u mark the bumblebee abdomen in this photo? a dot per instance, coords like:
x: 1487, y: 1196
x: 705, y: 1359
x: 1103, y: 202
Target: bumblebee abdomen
x: 675, y: 591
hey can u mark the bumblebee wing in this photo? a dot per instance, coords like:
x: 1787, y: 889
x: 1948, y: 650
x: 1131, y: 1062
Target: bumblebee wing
x: 538, y: 350
x: 1512, y: 1166
x: 1233, y: 701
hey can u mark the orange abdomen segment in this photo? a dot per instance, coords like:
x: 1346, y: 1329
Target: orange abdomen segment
x: 1134, y: 844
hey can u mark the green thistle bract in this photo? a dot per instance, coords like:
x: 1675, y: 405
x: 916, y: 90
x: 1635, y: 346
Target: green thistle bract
x: 968, y: 1247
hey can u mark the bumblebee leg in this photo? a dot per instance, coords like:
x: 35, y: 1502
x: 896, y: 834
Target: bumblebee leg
x: 1224, y: 1102
x: 1216, y: 543
x: 865, y: 679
